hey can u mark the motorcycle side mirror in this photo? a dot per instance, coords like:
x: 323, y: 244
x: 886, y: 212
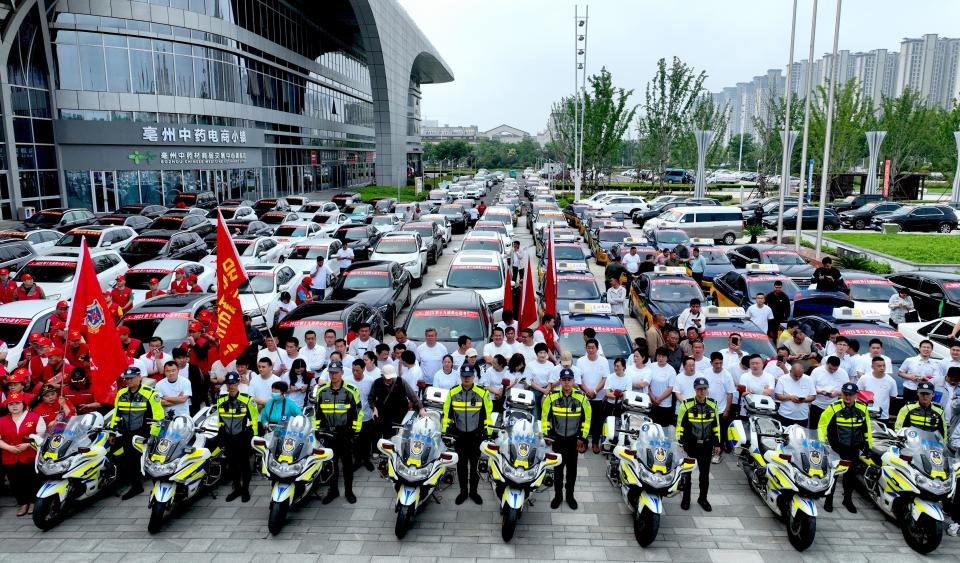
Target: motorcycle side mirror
x: 259, y: 442
x: 446, y: 456
x: 387, y: 446
x: 551, y: 457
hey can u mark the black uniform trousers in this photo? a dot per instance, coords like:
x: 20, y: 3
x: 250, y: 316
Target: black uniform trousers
x: 236, y: 453
x: 850, y: 476
x: 566, y: 447
x: 703, y: 453
x: 342, y: 444
x: 467, y: 447
x: 23, y: 482
x: 598, y: 416
x: 363, y: 442
x: 128, y: 460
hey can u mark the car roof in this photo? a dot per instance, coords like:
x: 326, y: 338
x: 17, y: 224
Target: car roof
x: 585, y: 319
x: 479, y: 233
x: 477, y: 257
x: 296, y: 224
x: 384, y: 265
x: 162, y: 264
x: 29, y: 308
x: 155, y: 233
x: 855, y: 275
x: 172, y: 301
x: 263, y: 267
x: 448, y: 298
x: 55, y: 257
x: 935, y: 275
x: 762, y: 247
x: 95, y: 228
x: 853, y: 323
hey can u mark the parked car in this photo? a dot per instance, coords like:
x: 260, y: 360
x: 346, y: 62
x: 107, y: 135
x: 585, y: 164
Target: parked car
x: 20, y: 320
x: 138, y: 277
x: 135, y: 222
x: 98, y: 238
x: 340, y: 316
x: 39, y: 240
x: 855, y: 201
x: 167, y: 316
x: 786, y: 259
x: 678, y: 176
x: 718, y: 223
x: 924, y: 218
x: 15, y: 253
x: 202, y: 200
x: 935, y: 294
x: 453, y: 313
x: 59, y: 218
x: 383, y: 285
x: 345, y: 198
x: 174, y: 245
x: 145, y: 209
x: 54, y: 273
x: 861, y: 217
x: 811, y: 217
x: 361, y: 238
x: 190, y: 223
x: 405, y: 248
x: 269, y: 205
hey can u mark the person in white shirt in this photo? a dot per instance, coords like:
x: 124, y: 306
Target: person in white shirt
x: 538, y: 374
x: 244, y: 373
x: 363, y: 378
x: 594, y: 370
x: 881, y: 384
x: 618, y: 382
x: 916, y: 369
x: 431, y: 352
x: 631, y: 262
x: 638, y: 370
x: 683, y: 384
x: 830, y: 346
x: 279, y: 309
x: 518, y: 260
x: 491, y: 378
x: 271, y: 351
x: 497, y: 346
x: 411, y: 372
x: 313, y: 354
x: 319, y: 279
x: 370, y: 368
x: 464, y: 345
x: 721, y: 390
x: 700, y: 361
x: 848, y: 361
x: 383, y: 355
x: 446, y: 377
x: 795, y: 394
x: 527, y: 345
x: 828, y: 378
x: 692, y: 316
x: 290, y: 353
x: 566, y: 362
x: 509, y: 321
x: 952, y: 361
x: 151, y: 363
x: 662, y: 377
x: 760, y: 314
x: 755, y: 381
x: 174, y: 391
x: 510, y: 337
x: 400, y: 335
x: 260, y: 385
x: 865, y: 361
x: 779, y: 366
x: 363, y: 342
x: 617, y: 298
x: 344, y: 257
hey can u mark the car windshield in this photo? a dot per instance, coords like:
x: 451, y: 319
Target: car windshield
x: 764, y: 284
x: 50, y: 271
x: 228, y: 212
x: 674, y: 291
x: 783, y: 257
x: 577, y: 287
x: 305, y: 252
x: 672, y: 237
x: 895, y: 346
x: 870, y: 290
x: 902, y: 212
x: 451, y: 211
x: 140, y: 279
x: 425, y: 232
x: 383, y: 220
x: 613, y: 340
x: 481, y: 244
x: 147, y: 245
x: 450, y: 324
x: 475, y: 277
x: 568, y: 252
x: 258, y: 283
x: 73, y: 239
x: 366, y: 279
x: 273, y: 218
x: 170, y: 326
x: 324, y: 218
x: 502, y: 218
x: 245, y: 247
x: 953, y: 290
x: 613, y: 236
x: 291, y: 231
x: 264, y: 205
x: 868, y: 206
x: 44, y: 218
x: 13, y: 329
x: 167, y: 223
x: 714, y: 257
x: 397, y: 245
x: 357, y: 209
x: 352, y: 234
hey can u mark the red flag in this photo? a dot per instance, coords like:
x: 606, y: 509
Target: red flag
x: 550, y: 278
x: 230, y: 332
x: 507, y: 292
x: 88, y: 313
x: 528, y: 300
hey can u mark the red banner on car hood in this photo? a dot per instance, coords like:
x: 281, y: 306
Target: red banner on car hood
x: 447, y: 313
x: 317, y: 323
x: 726, y: 334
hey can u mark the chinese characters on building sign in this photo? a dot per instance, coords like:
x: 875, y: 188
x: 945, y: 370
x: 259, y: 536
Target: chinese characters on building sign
x: 193, y: 135
x: 233, y: 157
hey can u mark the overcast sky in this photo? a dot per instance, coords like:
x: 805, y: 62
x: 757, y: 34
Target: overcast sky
x: 513, y: 58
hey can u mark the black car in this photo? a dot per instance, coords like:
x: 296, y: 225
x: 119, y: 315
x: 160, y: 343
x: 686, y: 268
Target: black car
x: 935, y: 294
x: 174, y: 245
x: 789, y: 262
x: 361, y: 238
x: 344, y: 198
x: 145, y: 209
x: 431, y: 235
x: 202, y: 200
x: 138, y: 223
x: 167, y: 316
x: 341, y: 316
x: 383, y: 285
x: 264, y: 206
x: 811, y: 216
x: 60, y: 218
x: 14, y: 253
x: 640, y: 217
x: 453, y: 313
x: 856, y: 201
x: 924, y: 218
x: 192, y: 223
x: 238, y: 203
x: 239, y: 228
x: 861, y: 217
x: 457, y: 215
x: 767, y: 210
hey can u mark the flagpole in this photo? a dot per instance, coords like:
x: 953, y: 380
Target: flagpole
x: 247, y: 278
x: 66, y: 325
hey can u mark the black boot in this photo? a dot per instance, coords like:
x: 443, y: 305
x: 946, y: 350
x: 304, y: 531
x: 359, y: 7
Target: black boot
x: 685, y: 502
x: 828, y: 504
x: 848, y: 504
x: 331, y: 494
x: 461, y: 498
x: 234, y: 494
x: 475, y: 497
x: 557, y: 501
x: 704, y: 504
x: 245, y: 494
x: 571, y: 502
x: 351, y: 498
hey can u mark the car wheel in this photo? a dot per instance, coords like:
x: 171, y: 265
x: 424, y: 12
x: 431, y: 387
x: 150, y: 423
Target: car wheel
x: 729, y: 239
x: 945, y: 228
x: 417, y: 282
x: 859, y: 224
x: 831, y: 227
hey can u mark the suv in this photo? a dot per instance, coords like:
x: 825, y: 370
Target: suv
x: 60, y: 218
x: 15, y: 253
x: 855, y: 201
x: 98, y: 238
x: 175, y: 245
x: 202, y: 200
x: 721, y: 223
x: 924, y: 218
x: 677, y: 176
x: 192, y: 222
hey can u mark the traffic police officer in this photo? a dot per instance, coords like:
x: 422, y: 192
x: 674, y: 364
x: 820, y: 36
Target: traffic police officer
x: 698, y: 431
x: 924, y: 414
x: 135, y: 408
x: 845, y: 424
x: 466, y: 415
x: 566, y: 418
x: 340, y: 413
x: 237, y: 422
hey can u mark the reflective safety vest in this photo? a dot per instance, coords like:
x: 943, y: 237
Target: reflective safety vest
x: 930, y: 418
x: 698, y: 423
x: 566, y: 415
x: 236, y: 414
x: 845, y: 427
x: 468, y: 410
x: 338, y: 409
x: 136, y: 409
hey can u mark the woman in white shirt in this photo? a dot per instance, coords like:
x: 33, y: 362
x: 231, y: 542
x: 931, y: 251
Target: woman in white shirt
x: 299, y: 382
x: 446, y: 378
x: 756, y: 381
x: 662, y: 377
x: 638, y: 371
x: 618, y: 381
x: 517, y: 366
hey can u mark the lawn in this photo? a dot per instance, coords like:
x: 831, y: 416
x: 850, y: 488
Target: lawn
x: 406, y: 193
x: 925, y: 249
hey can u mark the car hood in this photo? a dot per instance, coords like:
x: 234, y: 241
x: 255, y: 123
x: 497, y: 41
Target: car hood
x: 373, y: 297
x: 819, y: 303
x: 669, y: 309
x: 798, y: 271
x: 398, y: 258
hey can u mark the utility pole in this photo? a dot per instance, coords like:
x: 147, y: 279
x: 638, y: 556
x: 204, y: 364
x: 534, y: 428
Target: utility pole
x: 579, y: 85
x: 806, y: 127
x: 787, y: 137
x: 825, y: 175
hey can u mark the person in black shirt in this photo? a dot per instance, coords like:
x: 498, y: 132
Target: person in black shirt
x: 614, y: 269
x: 828, y: 278
x: 647, y: 264
x: 779, y: 302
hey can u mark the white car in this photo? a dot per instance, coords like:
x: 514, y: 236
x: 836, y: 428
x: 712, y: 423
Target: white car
x: 407, y: 249
x: 311, y: 208
x: 302, y: 257
x: 99, y: 238
x: 20, y: 319
x: 500, y: 215
x: 480, y: 270
x: 472, y: 192
x: 288, y: 234
x: 138, y: 277
x: 41, y: 240
x: 444, y: 223
x: 496, y: 227
x: 330, y: 221
x: 279, y: 217
x: 600, y: 195
x: 484, y: 240
x: 296, y: 202
x: 723, y: 177
x: 625, y: 204
x: 265, y: 283
x: 386, y: 223
x: 936, y: 331
x: 240, y: 212
x: 253, y: 250
x: 54, y: 273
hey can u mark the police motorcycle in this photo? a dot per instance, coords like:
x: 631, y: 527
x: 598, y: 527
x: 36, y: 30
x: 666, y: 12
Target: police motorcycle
x: 790, y: 468
x: 908, y: 475
x: 294, y: 462
x: 416, y: 460
x: 644, y: 464
x: 74, y: 462
x: 517, y: 458
x: 175, y: 457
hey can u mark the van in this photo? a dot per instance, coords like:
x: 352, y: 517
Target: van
x: 677, y: 176
x: 720, y: 223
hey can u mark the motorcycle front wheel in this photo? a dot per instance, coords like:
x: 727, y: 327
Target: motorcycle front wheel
x: 278, y: 516
x: 801, y: 530
x: 509, y: 526
x: 404, y: 520
x: 922, y: 535
x: 646, y: 524
x: 47, y: 512
x: 157, y: 512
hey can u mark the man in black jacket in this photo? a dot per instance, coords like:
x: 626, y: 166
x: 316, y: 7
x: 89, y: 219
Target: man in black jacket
x: 197, y: 382
x: 779, y: 303
x: 391, y: 399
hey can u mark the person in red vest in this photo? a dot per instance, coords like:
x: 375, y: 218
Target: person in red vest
x: 17, y: 382
x: 132, y: 346
x: 76, y: 348
x: 63, y: 309
x: 155, y: 290
x: 58, y: 332
x: 179, y: 283
x: 304, y: 295
x: 122, y: 296
x: 77, y: 391
x: 115, y: 310
x: 545, y: 333
x: 16, y: 455
x: 52, y: 404
x: 28, y: 290
x: 30, y: 350
x: 194, y: 284
x: 39, y: 361
x: 56, y: 369
x: 7, y: 286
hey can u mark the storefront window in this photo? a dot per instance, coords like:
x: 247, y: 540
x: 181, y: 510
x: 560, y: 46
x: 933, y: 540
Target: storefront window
x: 128, y: 186
x: 172, y: 185
x: 150, y: 187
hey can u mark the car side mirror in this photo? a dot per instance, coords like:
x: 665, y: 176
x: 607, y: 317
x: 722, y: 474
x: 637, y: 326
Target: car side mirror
x: 438, y: 282
x: 938, y: 296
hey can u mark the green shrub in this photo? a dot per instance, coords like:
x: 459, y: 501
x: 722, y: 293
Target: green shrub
x: 407, y: 193
x: 862, y: 263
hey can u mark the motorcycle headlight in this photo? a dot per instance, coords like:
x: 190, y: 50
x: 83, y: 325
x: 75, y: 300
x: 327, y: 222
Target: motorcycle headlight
x: 50, y: 467
x: 520, y: 474
x: 656, y: 480
x: 284, y: 470
x: 412, y: 473
x: 935, y: 486
x: 157, y: 469
x: 812, y: 484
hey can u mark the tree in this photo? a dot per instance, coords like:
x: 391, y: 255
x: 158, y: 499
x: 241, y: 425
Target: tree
x: 943, y: 150
x: 769, y: 139
x: 733, y: 150
x: 706, y: 115
x: 670, y: 98
x: 910, y: 127
x: 851, y: 112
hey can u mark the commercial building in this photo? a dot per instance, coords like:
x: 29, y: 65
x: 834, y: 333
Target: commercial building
x: 433, y: 133
x: 110, y: 102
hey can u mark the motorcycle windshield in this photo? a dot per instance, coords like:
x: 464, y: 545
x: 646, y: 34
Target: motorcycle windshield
x: 809, y: 454
x: 928, y: 452
x: 291, y: 442
x: 654, y: 449
x: 63, y: 438
x: 175, y: 435
x: 420, y: 441
x: 524, y: 449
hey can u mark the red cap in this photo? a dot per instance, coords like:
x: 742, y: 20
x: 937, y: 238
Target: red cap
x: 55, y: 352
x: 4, y: 272
x: 26, y: 277
x: 205, y: 315
x: 178, y: 271
x: 123, y: 330
x: 63, y: 304
x: 20, y: 375
x: 57, y: 324
x: 307, y: 280
x: 34, y: 337
x: 121, y: 278
x: 154, y: 280
x: 195, y: 327
x: 16, y: 398
x: 74, y: 335
x: 44, y: 342
x: 192, y: 278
